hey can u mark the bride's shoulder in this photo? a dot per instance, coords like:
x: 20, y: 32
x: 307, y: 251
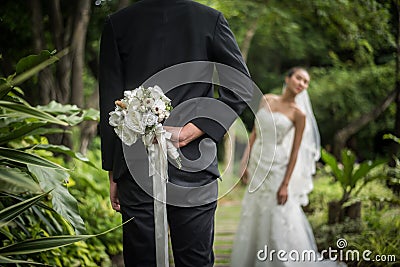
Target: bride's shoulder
x: 270, y: 98
x: 267, y: 100
x: 298, y: 113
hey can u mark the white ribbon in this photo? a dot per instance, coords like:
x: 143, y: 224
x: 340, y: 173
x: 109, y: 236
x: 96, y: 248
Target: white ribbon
x: 158, y: 168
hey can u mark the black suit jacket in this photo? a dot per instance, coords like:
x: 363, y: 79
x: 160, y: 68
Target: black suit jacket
x: 149, y: 36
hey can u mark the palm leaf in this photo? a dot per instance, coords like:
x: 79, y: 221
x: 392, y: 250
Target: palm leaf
x: 10, y: 213
x: 48, y: 243
x: 364, y: 169
x: 13, y: 180
x: 6, y: 260
x: 15, y: 80
x: 26, y: 158
x: 21, y: 131
x: 30, y: 111
x: 63, y: 202
x: 332, y: 163
x: 65, y: 150
x: 348, y: 160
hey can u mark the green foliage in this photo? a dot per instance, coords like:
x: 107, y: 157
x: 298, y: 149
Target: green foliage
x: 351, y: 176
x: 348, y: 93
x: 91, y: 187
x: 27, y: 169
x: 377, y: 231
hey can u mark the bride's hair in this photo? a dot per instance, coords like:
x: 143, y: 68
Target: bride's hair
x: 294, y: 70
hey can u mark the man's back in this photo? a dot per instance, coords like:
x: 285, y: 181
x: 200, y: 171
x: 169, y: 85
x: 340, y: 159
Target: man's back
x: 152, y: 35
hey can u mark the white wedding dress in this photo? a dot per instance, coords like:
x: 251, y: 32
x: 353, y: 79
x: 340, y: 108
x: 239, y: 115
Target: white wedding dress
x: 264, y: 225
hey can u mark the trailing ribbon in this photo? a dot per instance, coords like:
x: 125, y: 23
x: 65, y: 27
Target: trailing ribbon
x: 158, y: 168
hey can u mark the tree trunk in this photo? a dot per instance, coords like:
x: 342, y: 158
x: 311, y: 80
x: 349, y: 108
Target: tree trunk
x: 61, y: 41
x: 47, y: 83
x: 89, y: 128
x: 230, y: 138
x: 245, y: 47
x: 78, y: 51
x: 337, y: 213
x: 353, y: 127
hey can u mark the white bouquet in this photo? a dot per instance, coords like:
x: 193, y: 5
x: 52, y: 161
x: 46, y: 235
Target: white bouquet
x: 140, y: 115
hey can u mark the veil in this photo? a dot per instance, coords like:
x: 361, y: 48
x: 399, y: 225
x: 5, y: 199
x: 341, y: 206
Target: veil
x: 311, y: 138
x: 309, y: 153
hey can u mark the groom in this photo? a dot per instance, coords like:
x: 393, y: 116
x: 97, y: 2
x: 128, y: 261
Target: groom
x: 137, y: 43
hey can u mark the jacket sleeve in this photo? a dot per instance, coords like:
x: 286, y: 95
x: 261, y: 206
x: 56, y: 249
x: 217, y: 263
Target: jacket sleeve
x: 110, y: 88
x: 235, y: 85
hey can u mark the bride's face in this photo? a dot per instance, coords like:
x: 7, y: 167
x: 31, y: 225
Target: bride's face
x: 298, y: 81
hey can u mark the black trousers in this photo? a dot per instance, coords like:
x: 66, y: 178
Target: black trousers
x: 191, y: 229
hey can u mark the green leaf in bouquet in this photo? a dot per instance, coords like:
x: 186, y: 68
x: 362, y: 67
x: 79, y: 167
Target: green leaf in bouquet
x: 63, y: 202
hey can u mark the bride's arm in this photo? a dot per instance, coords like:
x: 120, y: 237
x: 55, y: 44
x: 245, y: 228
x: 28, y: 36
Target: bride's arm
x: 252, y: 139
x: 299, y: 124
x: 246, y: 155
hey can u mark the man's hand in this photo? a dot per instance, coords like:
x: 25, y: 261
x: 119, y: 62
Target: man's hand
x: 181, y: 136
x: 114, y: 193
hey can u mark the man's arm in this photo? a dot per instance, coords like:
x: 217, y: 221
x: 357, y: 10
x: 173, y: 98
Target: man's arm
x: 236, y: 85
x: 110, y: 88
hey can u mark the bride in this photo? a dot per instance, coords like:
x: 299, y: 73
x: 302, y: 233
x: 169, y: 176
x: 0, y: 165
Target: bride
x: 283, y: 148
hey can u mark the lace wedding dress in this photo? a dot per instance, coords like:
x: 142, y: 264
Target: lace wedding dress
x: 266, y: 226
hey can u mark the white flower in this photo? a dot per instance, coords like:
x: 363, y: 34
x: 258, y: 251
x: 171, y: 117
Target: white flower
x: 134, y: 122
x: 158, y: 107
x: 149, y: 119
x: 116, y: 118
x: 130, y: 93
x: 139, y: 92
x: 148, y: 102
x: 142, y: 109
x: 159, y: 94
x: 161, y: 117
x: 127, y: 136
x: 156, y: 92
